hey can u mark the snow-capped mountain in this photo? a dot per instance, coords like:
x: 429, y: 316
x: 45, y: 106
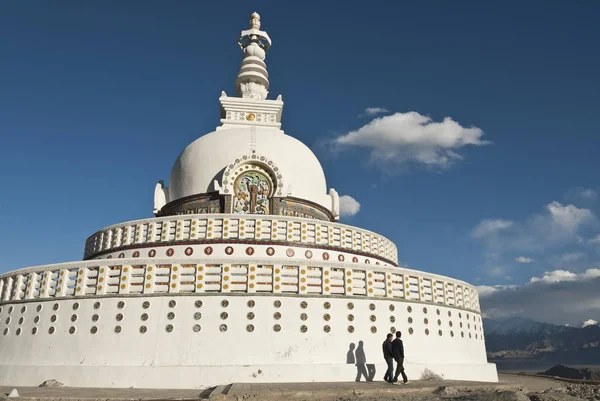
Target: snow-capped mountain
x: 522, y: 338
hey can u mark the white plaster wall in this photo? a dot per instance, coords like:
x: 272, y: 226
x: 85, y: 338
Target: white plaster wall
x: 65, y: 357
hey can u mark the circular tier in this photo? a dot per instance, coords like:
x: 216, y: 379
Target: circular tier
x: 189, y: 324
x: 138, y: 238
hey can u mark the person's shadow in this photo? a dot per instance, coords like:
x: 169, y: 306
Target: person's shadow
x: 362, y: 368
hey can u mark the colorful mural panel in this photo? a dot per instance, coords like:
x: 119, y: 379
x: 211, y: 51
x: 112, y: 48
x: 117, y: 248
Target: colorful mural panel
x: 252, y: 193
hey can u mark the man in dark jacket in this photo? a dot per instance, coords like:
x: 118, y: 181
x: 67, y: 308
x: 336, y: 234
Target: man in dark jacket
x: 398, y: 352
x: 388, y: 355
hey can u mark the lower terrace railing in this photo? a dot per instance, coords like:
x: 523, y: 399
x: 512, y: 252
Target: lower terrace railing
x: 105, y: 278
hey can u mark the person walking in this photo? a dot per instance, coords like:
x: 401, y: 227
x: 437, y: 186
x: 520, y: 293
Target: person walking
x: 398, y: 352
x: 388, y: 355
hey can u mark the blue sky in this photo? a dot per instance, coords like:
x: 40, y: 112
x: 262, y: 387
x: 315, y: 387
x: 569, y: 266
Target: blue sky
x: 98, y: 98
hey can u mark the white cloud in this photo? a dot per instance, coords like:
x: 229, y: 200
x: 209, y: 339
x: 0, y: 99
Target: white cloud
x: 524, y: 259
x: 574, y: 297
x: 485, y: 290
x: 595, y: 240
x: 591, y: 273
x: 568, y: 217
x: 555, y: 276
x: 490, y: 226
x: 589, y: 322
x: 580, y: 193
x: 557, y: 224
x: 373, y: 111
x: 411, y: 138
x: 348, y: 206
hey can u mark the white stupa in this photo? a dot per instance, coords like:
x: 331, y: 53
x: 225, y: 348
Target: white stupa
x: 242, y: 276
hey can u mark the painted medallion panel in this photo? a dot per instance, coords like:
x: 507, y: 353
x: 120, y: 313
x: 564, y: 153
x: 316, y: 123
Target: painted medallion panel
x: 252, y: 193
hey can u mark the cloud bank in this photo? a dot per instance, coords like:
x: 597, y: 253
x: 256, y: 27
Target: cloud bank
x: 557, y: 224
x: 558, y: 297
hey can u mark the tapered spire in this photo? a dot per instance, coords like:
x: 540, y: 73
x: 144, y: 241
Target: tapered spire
x: 253, y: 79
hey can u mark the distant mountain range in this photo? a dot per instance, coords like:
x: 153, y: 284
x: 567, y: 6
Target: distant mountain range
x: 517, y: 340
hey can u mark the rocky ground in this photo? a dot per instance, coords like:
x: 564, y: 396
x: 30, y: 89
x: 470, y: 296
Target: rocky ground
x: 511, y: 387
x: 566, y: 392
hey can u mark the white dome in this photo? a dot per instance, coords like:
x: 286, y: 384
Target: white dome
x: 205, y: 160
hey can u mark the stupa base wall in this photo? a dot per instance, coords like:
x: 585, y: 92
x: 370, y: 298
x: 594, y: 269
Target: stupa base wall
x: 191, y: 377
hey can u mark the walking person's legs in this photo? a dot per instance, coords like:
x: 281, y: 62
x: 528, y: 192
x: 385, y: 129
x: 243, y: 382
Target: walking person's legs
x: 389, y: 375
x: 400, y: 370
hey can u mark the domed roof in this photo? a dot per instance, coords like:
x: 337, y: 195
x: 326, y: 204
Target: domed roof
x: 248, y: 161
x: 206, y: 159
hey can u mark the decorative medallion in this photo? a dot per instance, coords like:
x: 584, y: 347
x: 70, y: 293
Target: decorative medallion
x: 304, y: 304
x: 229, y: 250
x: 136, y: 254
x: 121, y: 255
x: 170, y: 252
x: 251, y: 117
x: 249, y: 251
x: 367, y: 261
x: 252, y: 193
x: 270, y: 251
x: 290, y: 252
x: 189, y: 251
x: 109, y: 257
x: 341, y: 258
x: 325, y: 256
x: 208, y: 250
x: 392, y: 319
x: 277, y: 328
x: 308, y: 254
x: 350, y: 329
x: 355, y: 259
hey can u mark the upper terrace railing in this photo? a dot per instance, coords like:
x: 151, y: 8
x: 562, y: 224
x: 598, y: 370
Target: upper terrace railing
x: 270, y: 229
x: 224, y: 276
